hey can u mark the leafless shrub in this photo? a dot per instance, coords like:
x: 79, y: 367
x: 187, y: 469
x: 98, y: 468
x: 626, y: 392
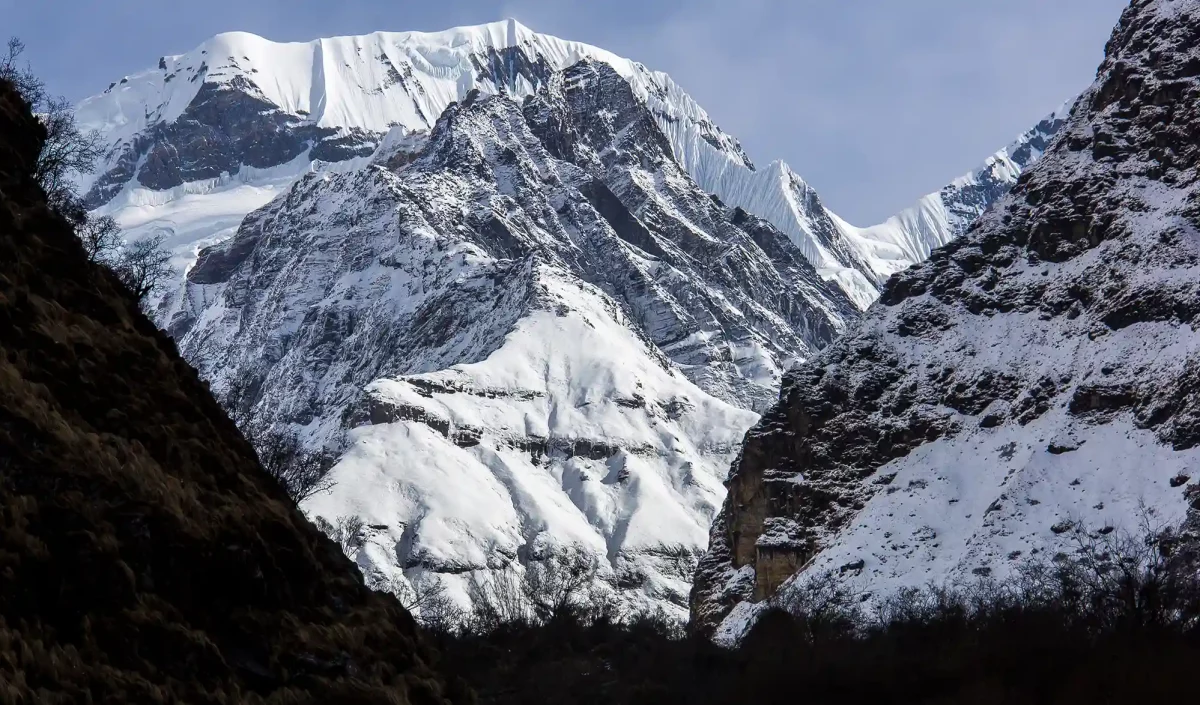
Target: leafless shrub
x: 424, y: 596
x: 101, y: 238
x: 347, y: 533
x: 555, y: 586
x: 241, y: 394
x: 497, y: 598
x: 1120, y: 580
x: 301, y: 472
x: 143, y: 266
x: 561, y: 585
x: 68, y: 151
x: 821, y: 605
x: 28, y: 85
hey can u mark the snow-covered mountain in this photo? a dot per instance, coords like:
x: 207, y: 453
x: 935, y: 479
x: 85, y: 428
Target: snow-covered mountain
x: 483, y: 267
x: 1035, y: 377
x: 526, y: 331
x: 861, y: 259
x: 205, y: 137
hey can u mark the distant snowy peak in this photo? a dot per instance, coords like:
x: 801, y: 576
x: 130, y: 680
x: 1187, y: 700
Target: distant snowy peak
x: 861, y: 259
x: 526, y: 331
x: 240, y: 100
x: 205, y: 137
x: 908, y: 237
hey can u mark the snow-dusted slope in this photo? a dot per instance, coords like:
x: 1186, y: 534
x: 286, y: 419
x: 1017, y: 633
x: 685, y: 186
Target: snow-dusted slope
x: 1036, y: 376
x: 861, y: 259
x: 240, y: 117
x: 528, y: 330
x: 909, y: 236
x: 212, y: 134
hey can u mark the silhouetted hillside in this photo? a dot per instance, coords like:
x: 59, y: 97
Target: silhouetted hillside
x: 144, y: 555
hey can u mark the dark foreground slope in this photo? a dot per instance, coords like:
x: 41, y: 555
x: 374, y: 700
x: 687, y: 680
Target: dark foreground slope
x: 144, y: 557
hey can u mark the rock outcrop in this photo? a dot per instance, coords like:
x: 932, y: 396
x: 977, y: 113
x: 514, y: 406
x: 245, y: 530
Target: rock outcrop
x: 1038, y: 374
x: 144, y: 555
x: 529, y: 331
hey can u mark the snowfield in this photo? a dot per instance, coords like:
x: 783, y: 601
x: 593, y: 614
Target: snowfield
x: 573, y: 433
x: 357, y: 88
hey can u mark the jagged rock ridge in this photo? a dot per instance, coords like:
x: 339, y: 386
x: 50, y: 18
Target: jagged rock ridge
x: 1035, y: 374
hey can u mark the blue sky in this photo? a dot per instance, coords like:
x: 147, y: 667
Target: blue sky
x: 874, y: 102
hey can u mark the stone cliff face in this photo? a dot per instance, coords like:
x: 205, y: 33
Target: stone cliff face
x: 144, y: 556
x: 1038, y: 374
x: 533, y: 306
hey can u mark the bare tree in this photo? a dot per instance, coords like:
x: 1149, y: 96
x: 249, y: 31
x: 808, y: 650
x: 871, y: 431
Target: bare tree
x: 28, y: 85
x: 437, y: 612
x: 347, y: 533
x: 560, y: 585
x: 301, y: 472
x: 143, y: 266
x: 68, y: 150
x: 101, y: 238
x: 240, y: 397
x: 555, y: 586
x: 497, y: 598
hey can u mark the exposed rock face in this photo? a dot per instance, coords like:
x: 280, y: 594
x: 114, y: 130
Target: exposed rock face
x: 209, y: 136
x: 226, y: 126
x: 539, y: 331
x: 145, y: 557
x: 1038, y: 373
x: 860, y: 259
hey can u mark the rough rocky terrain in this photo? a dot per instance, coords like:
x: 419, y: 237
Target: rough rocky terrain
x: 1034, y: 377
x: 530, y: 330
x: 203, y: 138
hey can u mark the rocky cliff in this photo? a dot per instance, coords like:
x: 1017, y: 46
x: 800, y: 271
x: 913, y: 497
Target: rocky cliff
x: 527, y: 331
x: 1036, y: 376
x: 204, y: 138
x: 144, y: 555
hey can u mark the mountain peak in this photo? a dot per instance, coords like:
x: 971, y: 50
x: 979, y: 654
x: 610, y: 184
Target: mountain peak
x: 1029, y: 384
x: 333, y: 100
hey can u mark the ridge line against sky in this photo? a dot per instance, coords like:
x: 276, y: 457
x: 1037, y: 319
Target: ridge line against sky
x: 873, y: 102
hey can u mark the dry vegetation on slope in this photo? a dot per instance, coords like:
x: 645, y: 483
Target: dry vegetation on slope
x: 144, y: 555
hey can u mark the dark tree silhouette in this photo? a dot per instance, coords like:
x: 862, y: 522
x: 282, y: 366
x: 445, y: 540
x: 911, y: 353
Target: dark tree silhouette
x: 68, y: 150
x: 143, y: 266
x: 101, y: 238
x: 301, y: 472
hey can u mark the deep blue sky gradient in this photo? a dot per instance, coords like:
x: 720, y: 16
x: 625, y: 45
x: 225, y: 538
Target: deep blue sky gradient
x: 874, y: 102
